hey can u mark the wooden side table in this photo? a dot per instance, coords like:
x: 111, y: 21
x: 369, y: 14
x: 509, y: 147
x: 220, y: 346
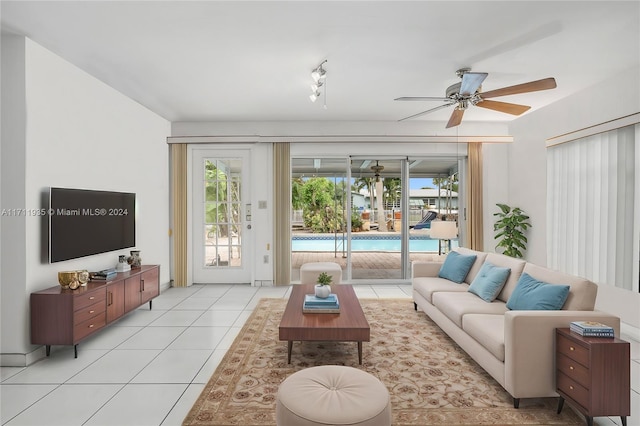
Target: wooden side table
x: 593, y: 375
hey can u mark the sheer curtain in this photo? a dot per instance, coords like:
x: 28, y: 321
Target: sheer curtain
x: 592, y: 207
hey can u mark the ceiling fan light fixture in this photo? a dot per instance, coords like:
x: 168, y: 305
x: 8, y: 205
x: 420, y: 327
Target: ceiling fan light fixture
x: 314, y: 96
x: 468, y: 93
x: 316, y: 86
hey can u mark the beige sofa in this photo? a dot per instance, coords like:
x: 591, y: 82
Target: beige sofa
x: 515, y: 347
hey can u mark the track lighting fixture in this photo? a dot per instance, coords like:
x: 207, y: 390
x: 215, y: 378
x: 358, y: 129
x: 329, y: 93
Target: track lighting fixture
x: 318, y: 75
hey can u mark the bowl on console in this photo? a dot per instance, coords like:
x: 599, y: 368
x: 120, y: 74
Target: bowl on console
x: 69, y: 279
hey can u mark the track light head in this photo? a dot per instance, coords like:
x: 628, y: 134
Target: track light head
x: 314, y: 96
x: 319, y: 73
x: 316, y: 86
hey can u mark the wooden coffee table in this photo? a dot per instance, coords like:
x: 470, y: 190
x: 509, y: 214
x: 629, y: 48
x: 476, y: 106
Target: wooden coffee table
x: 350, y: 325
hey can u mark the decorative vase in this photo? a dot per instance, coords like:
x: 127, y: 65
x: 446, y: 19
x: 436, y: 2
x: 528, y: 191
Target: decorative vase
x: 83, y: 277
x: 323, y: 291
x: 134, y: 260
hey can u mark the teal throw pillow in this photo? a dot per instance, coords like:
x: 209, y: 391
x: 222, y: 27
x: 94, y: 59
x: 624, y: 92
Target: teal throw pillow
x: 456, y: 266
x: 489, y: 281
x: 533, y: 295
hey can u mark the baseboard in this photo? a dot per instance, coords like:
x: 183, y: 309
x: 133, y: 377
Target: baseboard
x: 22, y: 360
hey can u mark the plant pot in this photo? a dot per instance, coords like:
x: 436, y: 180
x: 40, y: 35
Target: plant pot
x: 323, y: 291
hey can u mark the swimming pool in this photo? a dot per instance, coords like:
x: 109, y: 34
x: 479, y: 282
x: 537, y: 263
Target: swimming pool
x: 389, y: 243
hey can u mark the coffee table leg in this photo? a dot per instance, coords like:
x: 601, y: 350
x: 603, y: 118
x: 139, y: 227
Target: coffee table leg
x: 360, y: 353
x: 289, y: 347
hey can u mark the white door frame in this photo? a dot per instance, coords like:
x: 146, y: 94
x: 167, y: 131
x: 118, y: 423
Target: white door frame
x: 227, y: 275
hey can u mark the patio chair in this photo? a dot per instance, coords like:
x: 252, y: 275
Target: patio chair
x: 425, y: 222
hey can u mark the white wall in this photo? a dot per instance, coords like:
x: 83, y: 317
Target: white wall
x: 526, y: 157
x: 80, y: 133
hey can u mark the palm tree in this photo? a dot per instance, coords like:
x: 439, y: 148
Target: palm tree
x: 450, y: 184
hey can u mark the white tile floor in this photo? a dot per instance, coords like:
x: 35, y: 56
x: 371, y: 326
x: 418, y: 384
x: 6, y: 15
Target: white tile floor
x: 149, y: 367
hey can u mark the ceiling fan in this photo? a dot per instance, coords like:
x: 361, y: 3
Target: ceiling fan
x: 467, y: 93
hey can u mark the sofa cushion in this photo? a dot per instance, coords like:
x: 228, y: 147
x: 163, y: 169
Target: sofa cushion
x: 456, y: 305
x: 456, y: 266
x: 582, y: 294
x: 534, y: 295
x: 489, y: 281
x: 516, y: 266
x: 480, y: 258
x: 426, y: 286
x: 488, y: 330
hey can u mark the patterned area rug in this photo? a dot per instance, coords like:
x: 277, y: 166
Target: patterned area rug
x: 430, y: 379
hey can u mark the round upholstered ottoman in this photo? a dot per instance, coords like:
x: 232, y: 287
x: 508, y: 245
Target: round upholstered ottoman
x: 332, y: 395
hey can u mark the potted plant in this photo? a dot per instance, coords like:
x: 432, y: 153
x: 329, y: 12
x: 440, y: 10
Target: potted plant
x: 510, y: 227
x: 323, y: 286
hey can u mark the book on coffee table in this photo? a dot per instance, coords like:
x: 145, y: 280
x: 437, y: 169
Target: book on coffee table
x: 317, y: 305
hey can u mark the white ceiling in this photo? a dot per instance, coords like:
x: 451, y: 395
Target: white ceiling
x: 251, y: 61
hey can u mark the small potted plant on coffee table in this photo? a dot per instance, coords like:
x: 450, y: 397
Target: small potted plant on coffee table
x: 323, y: 286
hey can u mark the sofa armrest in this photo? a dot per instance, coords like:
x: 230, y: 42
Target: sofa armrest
x: 529, y: 344
x: 425, y: 268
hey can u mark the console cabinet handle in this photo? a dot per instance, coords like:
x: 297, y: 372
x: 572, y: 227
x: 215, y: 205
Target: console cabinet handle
x: 571, y: 348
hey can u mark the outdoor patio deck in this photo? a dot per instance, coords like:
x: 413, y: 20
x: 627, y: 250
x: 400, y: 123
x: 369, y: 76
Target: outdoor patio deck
x: 364, y: 265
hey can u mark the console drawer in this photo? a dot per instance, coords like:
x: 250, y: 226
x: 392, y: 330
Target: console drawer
x: 87, y: 327
x: 91, y: 311
x: 83, y: 300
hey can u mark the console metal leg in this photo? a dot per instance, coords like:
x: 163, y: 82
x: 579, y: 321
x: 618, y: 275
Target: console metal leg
x: 75, y: 351
x: 150, y: 301
x: 415, y: 306
x: 516, y: 402
x: 47, y: 349
x: 624, y: 420
x: 289, y: 348
x: 560, y: 404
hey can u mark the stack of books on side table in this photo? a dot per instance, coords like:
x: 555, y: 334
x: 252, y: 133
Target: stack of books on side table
x: 591, y: 329
x: 316, y: 305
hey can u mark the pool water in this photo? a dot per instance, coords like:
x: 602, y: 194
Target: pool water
x: 389, y: 244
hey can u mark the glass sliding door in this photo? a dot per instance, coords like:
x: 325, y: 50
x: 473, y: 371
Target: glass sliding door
x: 371, y: 215
x: 377, y: 231
x: 319, y: 218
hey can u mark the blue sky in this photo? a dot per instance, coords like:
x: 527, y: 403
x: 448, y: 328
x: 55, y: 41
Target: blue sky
x: 417, y: 183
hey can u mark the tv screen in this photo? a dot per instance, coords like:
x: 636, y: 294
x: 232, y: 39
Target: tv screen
x: 86, y: 222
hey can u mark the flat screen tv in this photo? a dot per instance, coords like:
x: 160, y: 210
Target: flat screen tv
x: 86, y: 222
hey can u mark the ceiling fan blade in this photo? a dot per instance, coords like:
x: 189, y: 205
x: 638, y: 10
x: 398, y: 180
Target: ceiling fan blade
x: 471, y: 81
x: 509, y: 108
x: 532, y: 86
x: 421, y: 98
x: 456, y: 118
x: 427, y: 111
